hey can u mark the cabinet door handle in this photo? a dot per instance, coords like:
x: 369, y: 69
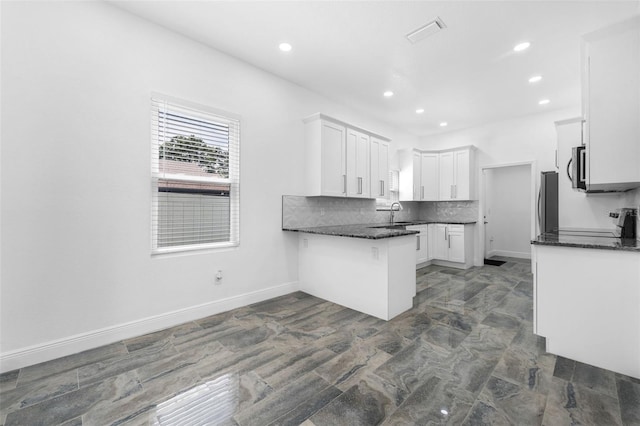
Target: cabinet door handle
x: 382, y: 188
x: 359, y: 185
x: 455, y: 191
x: 451, y: 191
x: 422, y: 192
x: 344, y: 184
x: 418, y: 242
x: 449, y: 242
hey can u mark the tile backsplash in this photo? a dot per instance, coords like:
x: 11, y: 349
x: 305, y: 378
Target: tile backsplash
x: 449, y: 210
x: 302, y: 212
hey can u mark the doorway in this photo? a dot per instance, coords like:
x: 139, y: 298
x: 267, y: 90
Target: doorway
x: 507, y: 207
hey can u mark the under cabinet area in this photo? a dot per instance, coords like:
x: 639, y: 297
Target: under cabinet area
x: 343, y: 160
x: 437, y: 175
x: 587, y: 305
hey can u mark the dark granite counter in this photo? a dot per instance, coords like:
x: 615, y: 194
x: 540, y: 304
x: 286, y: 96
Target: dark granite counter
x: 372, y: 231
x: 587, y: 241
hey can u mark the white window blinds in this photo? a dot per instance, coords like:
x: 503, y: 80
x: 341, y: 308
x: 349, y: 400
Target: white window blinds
x: 195, y: 176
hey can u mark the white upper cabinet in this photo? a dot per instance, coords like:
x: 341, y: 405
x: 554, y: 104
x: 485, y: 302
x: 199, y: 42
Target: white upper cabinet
x: 338, y: 160
x: 456, y: 175
x: 447, y: 173
x: 358, y: 145
x: 418, y: 176
x: 326, y: 165
x: 379, y: 168
x: 463, y: 179
x: 437, y: 176
x: 429, y: 176
x: 611, y: 106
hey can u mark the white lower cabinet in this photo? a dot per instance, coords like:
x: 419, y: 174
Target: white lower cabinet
x: 440, y: 242
x: 422, y: 242
x: 587, y: 305
x: 450, y: 244
x: 455, y: 238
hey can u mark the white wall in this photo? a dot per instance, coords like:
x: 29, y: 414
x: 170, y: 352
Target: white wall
x: 75, y: 250
x: 508, y: 211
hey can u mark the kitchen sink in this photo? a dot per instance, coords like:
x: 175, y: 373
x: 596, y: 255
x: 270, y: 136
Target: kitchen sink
x: 396, y: 225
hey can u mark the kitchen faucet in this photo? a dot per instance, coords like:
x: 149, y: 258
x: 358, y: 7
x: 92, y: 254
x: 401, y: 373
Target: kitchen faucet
x: 392, y: 211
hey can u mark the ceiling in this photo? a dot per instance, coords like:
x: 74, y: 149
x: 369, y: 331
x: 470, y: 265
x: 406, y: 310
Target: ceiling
x: 352, y: 51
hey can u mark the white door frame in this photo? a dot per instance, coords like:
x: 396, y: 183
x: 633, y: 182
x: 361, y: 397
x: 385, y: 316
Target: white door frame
x: 483, y: 197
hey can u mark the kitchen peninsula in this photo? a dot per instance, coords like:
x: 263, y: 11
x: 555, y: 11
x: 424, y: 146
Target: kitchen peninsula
x: 367, y: 268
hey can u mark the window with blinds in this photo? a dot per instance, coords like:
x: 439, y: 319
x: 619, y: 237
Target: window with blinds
x: 195, y: 176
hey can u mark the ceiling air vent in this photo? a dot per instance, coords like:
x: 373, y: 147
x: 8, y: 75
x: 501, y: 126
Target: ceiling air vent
x: 426, y: 30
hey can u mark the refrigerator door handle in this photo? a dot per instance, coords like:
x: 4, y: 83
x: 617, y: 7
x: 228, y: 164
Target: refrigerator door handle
x: 568, y: 170
x: 539, y: 212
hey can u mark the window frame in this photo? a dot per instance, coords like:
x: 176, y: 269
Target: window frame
x: 207, y: 113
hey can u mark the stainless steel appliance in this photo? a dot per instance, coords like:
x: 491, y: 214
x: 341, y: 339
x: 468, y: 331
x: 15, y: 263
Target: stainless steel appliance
x: 578, y: 166
x: 548, y: 202
x: 625, y: 221
x: 577, y: 173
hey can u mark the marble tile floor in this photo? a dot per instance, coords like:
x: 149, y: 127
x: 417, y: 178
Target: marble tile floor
x: 465, y: 354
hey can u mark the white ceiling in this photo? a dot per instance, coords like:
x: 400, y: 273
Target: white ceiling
x: 352, y: 51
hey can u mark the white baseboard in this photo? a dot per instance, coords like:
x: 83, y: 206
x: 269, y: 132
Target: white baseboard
x: 506, y: 253
x: 81, y: 342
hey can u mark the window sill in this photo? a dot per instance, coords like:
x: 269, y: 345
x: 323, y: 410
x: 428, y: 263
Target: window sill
x: 192, y: 250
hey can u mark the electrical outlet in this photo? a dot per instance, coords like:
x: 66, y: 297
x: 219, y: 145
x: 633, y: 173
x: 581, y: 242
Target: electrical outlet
x: 218, y: 280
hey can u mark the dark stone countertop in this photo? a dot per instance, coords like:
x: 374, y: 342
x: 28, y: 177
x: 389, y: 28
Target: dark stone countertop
x: 586, y: 241
x: 372, y: 231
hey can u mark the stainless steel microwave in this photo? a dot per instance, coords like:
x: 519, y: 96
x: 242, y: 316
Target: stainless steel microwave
x: 577, y: 168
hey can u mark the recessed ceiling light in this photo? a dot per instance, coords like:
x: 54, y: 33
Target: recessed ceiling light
x: 419, y: 110
x: 535, y: 79
x: 522, y: 46
x: 388, y: 94
x: 543, y: 102
x: 285, y: 47
x: 444, y: 124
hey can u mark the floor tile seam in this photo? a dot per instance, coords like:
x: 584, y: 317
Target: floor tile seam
x: 513, y: 381
x: 100, y: 379
x: 580, y: 385
x: 276, y: 391
x: 275, y: 422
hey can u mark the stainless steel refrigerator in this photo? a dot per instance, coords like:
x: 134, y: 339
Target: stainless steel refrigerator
x: 548, y: 202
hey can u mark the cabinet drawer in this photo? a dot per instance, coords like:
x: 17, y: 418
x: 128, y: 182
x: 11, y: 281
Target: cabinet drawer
x: 456, y: 228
